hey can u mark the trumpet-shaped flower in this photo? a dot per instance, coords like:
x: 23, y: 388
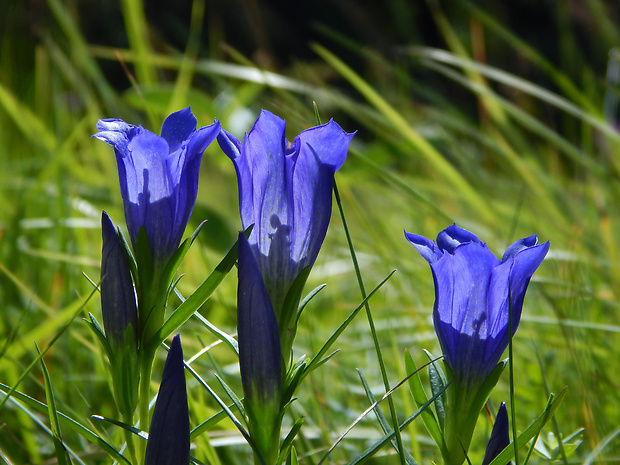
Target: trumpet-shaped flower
x: 285, y: 191
x: 169, y: 439
x: 474, y: 294
x: 158, y: 176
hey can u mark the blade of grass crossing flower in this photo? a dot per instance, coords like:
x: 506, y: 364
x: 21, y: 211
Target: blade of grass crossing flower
x: 61, y: 452
x: 222, y: 405
x: 71, y: 423
x: 381, y: 418
x: 434, y: 157
x: 371, y: 324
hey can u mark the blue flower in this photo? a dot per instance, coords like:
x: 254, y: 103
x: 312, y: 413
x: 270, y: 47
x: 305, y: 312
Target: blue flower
x: 158, y: 176
x: 474, y: 292
x: 118, y: 299
x: 169, y: 439
x: 260, y: 358
x: 285, y: 191
x: 500, y: 437
x: 260, y: 355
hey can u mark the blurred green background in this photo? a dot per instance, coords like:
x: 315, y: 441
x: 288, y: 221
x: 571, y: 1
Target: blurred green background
x: 500, y: 116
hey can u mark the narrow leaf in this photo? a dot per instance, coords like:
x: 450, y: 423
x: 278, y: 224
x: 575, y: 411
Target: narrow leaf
x: 419, y: 396
x: 526, y: 436
x: 197, y: 299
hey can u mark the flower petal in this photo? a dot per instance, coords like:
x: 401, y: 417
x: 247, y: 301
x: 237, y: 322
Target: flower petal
x: 178, y: 128
x: 453, y: 236
x: 518, y: 246
x: 426, y: 247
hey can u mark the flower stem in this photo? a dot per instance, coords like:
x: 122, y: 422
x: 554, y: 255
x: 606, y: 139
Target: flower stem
x: 146, y: 367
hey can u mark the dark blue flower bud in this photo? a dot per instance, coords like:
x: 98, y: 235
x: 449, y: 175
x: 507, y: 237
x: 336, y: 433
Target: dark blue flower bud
x: 118, y: 299
x: 169, y: 439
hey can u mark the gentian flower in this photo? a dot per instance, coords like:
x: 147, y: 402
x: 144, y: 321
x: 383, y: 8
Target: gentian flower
x: 499, y: 436
x: 118, y: 299
x: 158, y: 176
x: 474, y: 293
x: 169, y: 439
x: 285, y: 191
x: 260, y: 356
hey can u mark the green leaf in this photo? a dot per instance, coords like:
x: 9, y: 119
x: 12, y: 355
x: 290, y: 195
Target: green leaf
x: 230, y: 393
x: 485, y: 390
x: 97, y: 330
x: 211, y: 422
x: 217, y: 332
x: 307, y: 299
x: 137, y: 431
x: 197, y: 299
x: 292, y: 459
x: 288, y: 441
x: 419, y: 396
x: 130, y: 258
x: 531, y: 431
x: 438, y: 381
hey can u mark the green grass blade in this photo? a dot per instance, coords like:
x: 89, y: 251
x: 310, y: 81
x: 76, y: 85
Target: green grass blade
x: 378, y: 445
x: 70, y: 422
x: 371, y: 324
x: 61, y: 452
x: 382, y: 421
x: 424, y: 148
